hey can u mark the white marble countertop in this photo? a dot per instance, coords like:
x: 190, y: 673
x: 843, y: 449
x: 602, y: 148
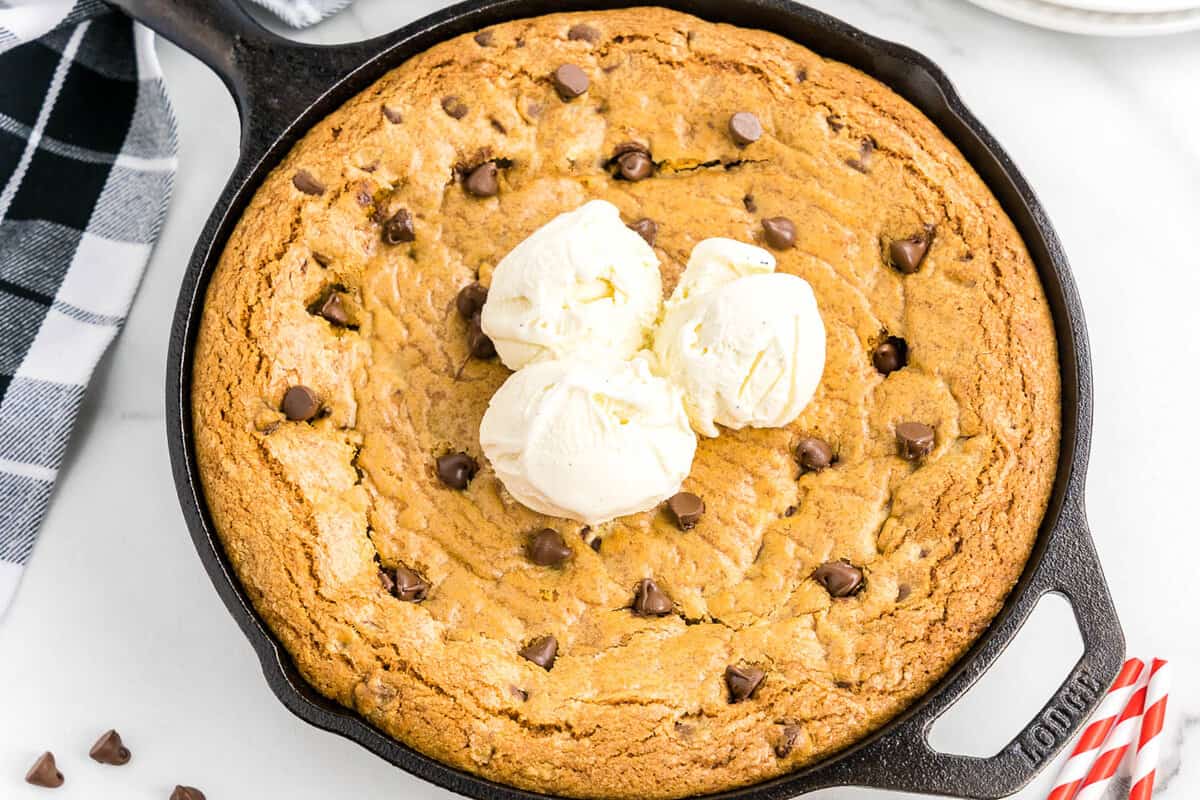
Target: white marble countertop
x: 116, y: 623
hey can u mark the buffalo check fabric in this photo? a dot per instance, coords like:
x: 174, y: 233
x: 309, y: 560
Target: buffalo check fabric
x: 87, y: 157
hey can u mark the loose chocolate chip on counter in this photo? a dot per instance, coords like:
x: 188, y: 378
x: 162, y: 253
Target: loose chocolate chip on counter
x: 484, y: 38
x: 779, y: 232
x: 408, y: 585
x: 548, y: 549
x: 479, y: 343
x: 334, y: 310
x: 745, y: 128
x: 687, y: 509
x: 484, y: 180
x: 541, y: 651
x: 456, y: 469
x: 583, y: 33
x: 787, y: 740
x: 906, y: 255
x: 748, y: 202
x: 570, y: 81
x: 300, y: 404
x: 393, y: 115
x: 646, y: 228
x: 914, y: 439
x: 890, y: 355
x: 187, y: 793
x: 44, y: 772
x: 840, y: 578
x: 742, y: 682
x: 399, y: 228
x: 109, y: 749
x: 650, y: 601
x: 470, y: 299
x: 633, y: 161
x: 813, y: 454
x: 454, y: 106
x: 306, y: 183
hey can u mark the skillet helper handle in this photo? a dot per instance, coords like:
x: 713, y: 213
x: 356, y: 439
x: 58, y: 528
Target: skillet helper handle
x: 272, y: 79
x: 903, y: 760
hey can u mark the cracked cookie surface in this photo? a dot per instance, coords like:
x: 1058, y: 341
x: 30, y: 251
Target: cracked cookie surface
x: 383, y: 206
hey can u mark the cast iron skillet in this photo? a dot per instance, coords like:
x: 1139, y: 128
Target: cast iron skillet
x: 283, y: 88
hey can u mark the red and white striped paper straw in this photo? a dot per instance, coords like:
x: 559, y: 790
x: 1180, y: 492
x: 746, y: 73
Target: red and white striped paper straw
x: 1120, y: 740
x: 1076, y: 768
x: 1152, y: 724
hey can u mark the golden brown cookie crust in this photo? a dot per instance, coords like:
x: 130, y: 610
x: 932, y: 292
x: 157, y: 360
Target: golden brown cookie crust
x: 634, y: 707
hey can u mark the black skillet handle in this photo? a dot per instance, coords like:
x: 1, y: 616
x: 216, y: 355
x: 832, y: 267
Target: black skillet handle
x: 272, y: 79
x: 904, y: 761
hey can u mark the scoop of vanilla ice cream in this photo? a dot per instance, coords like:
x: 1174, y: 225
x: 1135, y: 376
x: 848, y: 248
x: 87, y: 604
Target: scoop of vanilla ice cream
x: 581, y: 285
x: 588, y: 440
x: 746, y: 345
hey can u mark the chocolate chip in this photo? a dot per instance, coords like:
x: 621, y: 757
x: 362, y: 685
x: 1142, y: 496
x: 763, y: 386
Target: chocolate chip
x: 363, y: 196
x: 787, y: 740
x: 902, y: 592
x: 633, y: 161
x: 840, y: 578
x: 646, y: 228
x: 583, y: 32
x: 306, y: 183
x: 519, y: 693
x: 570, y: 81
x: 548, y: 549
x: 479, y: 343
x: 399, y: 228
x: 650, y: 601
x: 44, y: 772
x: 484, y: 38
x: 541, y: 651
x: 748, y: 202
x: 890, y: 355
x: 742, y: 682
x: 834, y: 122
x: 470, y: 300
x: 915, y: 440
x: 386, y: 580
x: 393, y: 115
x: 801, y: 74
x: 780, y: 232
x: 187, y: 793
x: 483, y: 181
x: 813, y: 454
x: 408, y: 585
x: 790, y: 511
x: 595, y: 544
x: 456, y: 469
x: 300, y: 404
x: 745, y: 128
x: 454, y: 106
x: 321, y: 259
x: 906, y: 255
x: 109, y: 749
x: 334, y: 310
x: 687, y: 509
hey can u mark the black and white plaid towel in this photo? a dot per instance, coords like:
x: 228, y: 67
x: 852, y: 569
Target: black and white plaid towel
x: 87, y: 157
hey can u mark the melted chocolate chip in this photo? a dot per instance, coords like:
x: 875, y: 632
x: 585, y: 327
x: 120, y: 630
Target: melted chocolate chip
x: 583, y: 32
x: 334, y: 310
x: 779, y: 232
x: 548, y: 549
x: 305, y: 182
x: 109, y: 749
x: 907, y: 255
x: 570, y: 81
x: 745, y: 128
x: 484, y: 180
x: 890, y: 355
x: 44, y: 772
x: 187, y: 793
x: 470, y: 300
x: 633, y: 161
x: 914, y: 439
x: 456, y: 469
x: 813, y: 454
x: 454, y: 106
x: 408, y: 585
x: 393, y: 115
x: 687, y: 509
x: 541, y: 651
x: 840, y: 578
x: 650, y: 601
x: 399, y: 228
x: 300, y: 404
x: 479, y: 344
x: 646, y: 228
x: 743, y: 682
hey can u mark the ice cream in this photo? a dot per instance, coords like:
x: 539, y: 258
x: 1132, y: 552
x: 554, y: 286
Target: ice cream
x: 581, y: 286
x: 589, y: 440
